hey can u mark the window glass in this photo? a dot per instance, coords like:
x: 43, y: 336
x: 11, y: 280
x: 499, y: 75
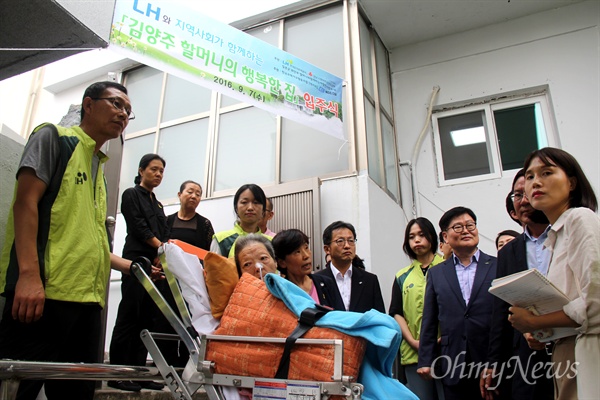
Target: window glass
x: 318, y: 39
x: 365, y: 56
x: 133, y: 150
x: 373, y: 140
x: 383, y: 77
x: 464, y: 142
x: 144, y: 86
x: 228, y: 101
x: 519, y: 131
x: 389, y: 156
x: 184, y: 149
x: 268, y: 33
x: 246, y: 148
x: 301, y: 158
x: 184, y: 98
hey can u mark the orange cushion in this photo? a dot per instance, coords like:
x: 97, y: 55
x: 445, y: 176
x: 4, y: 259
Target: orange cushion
x: 221, y: 278
x: 254, y: 311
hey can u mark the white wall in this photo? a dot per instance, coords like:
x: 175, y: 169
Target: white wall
x: 558, y: 48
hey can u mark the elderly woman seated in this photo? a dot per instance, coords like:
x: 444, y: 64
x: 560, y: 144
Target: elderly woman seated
x: 254, y: 254
x: 294, y: 259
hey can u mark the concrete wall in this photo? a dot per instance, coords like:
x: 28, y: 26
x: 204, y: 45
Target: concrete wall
x: 12, y: 148
x: 558, y: 48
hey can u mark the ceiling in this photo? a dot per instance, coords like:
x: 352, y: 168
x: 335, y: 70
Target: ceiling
x: 37, y: 32
x: 404, y: 22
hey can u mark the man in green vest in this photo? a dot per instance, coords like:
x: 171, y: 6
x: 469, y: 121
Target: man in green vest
x: 56, y: 260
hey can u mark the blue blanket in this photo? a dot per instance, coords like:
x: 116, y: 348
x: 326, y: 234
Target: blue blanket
x: 381, y: 332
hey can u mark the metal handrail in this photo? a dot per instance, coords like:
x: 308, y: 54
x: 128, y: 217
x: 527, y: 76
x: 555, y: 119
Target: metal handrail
x: 20, y: 370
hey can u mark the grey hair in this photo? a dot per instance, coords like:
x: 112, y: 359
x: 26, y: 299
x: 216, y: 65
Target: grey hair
x: 244, y: 241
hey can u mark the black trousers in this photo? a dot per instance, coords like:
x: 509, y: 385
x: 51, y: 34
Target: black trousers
x: 535, y: 385
x: 137, y: 312
x: 66, y: 332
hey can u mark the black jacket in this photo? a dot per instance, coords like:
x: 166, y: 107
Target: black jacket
x: 365, y: 292
x: 145, y: 219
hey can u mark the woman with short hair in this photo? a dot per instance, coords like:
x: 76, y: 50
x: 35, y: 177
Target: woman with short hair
x: 294, y: 260
x: 254, y: 254
x: 186, y: 224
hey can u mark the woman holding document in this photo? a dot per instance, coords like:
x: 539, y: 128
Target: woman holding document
x: 556, y: 185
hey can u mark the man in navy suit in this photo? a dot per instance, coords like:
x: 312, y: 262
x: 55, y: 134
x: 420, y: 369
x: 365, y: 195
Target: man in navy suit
x: 457, y: 302
x: 358, y: 289
x: 526, y: 251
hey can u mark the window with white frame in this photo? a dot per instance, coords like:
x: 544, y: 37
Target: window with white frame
x: 377, y: 94
x: 479, y: 142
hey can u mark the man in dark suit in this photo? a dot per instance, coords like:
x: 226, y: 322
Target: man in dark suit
x: 358, y: 289
x: 525, y: 251
x: 457, y: 302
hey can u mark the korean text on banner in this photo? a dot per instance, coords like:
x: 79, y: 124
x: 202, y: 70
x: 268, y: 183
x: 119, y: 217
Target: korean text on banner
x: 171, y: 37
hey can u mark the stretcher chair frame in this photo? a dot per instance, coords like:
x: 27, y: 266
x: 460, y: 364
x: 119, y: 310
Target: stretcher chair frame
x: 12, y: 372
x: 199, y: 372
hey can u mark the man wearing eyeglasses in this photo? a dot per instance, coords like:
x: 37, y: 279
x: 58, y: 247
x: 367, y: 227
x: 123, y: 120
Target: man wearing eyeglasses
x: 526, y: 251
x: 358, y: 289
x: 56, y: 259
x: 457, y: 302
x: 268, y: 215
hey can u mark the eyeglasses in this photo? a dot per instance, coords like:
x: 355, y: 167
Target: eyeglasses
x: 116, y: 102
x: 340, y: 242
x: 458, y: 228
x: 518, y: 197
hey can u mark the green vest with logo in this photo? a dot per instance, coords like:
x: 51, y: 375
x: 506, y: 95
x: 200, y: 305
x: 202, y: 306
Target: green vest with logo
x: 73, y: 247
x: 226, y: 239
x: 411, y: 282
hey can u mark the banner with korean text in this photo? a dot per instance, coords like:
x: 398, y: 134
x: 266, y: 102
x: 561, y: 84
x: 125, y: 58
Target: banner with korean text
x: 173, y: 38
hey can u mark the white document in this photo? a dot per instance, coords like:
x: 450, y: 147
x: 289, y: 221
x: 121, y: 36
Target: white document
x: 530, y: 289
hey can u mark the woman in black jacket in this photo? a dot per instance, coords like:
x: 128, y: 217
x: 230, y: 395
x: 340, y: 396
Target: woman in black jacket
x: 146, y: 231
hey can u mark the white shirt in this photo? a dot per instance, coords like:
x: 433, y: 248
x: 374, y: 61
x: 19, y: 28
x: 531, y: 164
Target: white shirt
x: 344, y: 283
x: 575, y: 244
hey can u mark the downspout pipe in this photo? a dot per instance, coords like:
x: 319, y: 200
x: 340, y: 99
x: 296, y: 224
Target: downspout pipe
x: 415, y: 154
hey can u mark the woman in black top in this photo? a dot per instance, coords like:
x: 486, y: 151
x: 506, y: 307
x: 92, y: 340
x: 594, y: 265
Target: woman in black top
x: 146, y: 231
x: 186, y: 224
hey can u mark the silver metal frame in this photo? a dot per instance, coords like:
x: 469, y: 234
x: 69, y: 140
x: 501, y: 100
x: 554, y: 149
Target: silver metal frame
x: 200, y: 372
x: 13, y: 372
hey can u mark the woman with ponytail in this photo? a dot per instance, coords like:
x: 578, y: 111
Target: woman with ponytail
x: 146, y: 231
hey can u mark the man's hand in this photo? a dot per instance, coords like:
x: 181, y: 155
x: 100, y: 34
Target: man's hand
x: 29, y: 299
x: 425, y: 373
x: 487, y: 381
